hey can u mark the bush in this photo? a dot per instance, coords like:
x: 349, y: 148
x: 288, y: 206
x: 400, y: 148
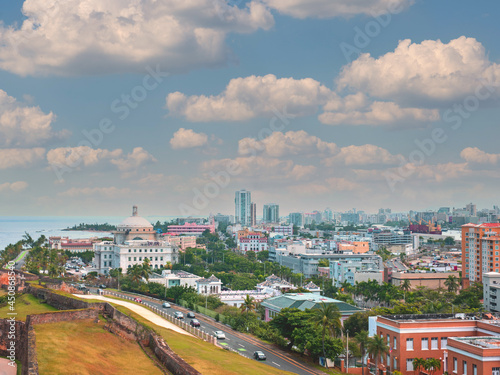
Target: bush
x: 217, y: 316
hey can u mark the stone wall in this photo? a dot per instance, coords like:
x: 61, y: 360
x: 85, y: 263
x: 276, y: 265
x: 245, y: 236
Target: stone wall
x: 62, y: 302
x: 24, y: 345
x: 61, y: 316
x: 175, y: 364
x: 121, y: 324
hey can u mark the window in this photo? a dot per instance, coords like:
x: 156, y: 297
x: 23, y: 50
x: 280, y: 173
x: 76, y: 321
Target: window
x: 455, y: 364
x: 129, y: 250
x: 409, y: 344
x: 474, y: 370
x: 434, y: 343
x: 395, y: 343
x: 104, y: 264
x: 444, y: 342
x: 395, y: 365
x: 156, y: 250
x: 156, y: 258
x: 129, y: 259
x: 465, y: 367
x: 135, y: 258
x: 409, y: 364
x: 495, y: 371
x: 140, y: 258
x: 388, y: 339
x: 425, y: 343
x: 161, y: 258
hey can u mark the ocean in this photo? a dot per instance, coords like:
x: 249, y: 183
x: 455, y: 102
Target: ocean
x: 12, y: 228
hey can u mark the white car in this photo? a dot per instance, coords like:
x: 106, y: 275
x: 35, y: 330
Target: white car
x: 219, y: 335
x: 166, y: 305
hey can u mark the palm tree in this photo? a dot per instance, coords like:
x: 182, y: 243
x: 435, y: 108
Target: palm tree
x: 419, y: 363
x: 248, y: 304
x: 451, y: 283
x: 432, y: 364
x: 27, y: 239
x: 135, y: 273
x: 362, y: 340
x: 377, y: 347
x: 145, y: 269
x: 406, y: 287
x: 327, y: 316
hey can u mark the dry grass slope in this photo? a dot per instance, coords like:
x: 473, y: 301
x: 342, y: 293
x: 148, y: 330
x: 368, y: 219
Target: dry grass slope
x: 85, y: 348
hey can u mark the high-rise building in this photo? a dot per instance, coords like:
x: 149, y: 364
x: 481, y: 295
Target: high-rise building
x: 253, y: 214
x: 327, y: 215
x: 243, y: 204
x: 471, y: 209
x: 271, y: 213
x: 296, y: 218
x: 480, y: 251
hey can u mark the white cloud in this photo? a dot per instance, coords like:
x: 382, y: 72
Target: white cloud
x: 290, y: 143
x: 477, y: 156
x: 107, y: 192
x: 264, y: 96
x: 380, y: 113
x: 134, y: 160
x: 249, y: 97
x: 187, y: 138
x: 21, y: 125
x: 363, y: 156
x: 74, y: 157
x: 13, y: 186
x: 260, y: 167
x: 20, y: 157
x: 66, y: 37
x: 337, y: 8
x: 423, y: 73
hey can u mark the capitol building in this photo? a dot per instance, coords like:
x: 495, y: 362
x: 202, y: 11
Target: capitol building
x: 134, y: 241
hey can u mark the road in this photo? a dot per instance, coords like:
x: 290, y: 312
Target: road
x: 244, y: 344
x: 20, y: 259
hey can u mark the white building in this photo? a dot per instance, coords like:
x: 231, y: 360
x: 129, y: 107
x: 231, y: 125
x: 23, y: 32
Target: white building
x: 176, y: 278
x: 253, y: 242
x: 209, y: 286
x: 134, y: 241
x: 242, y: 205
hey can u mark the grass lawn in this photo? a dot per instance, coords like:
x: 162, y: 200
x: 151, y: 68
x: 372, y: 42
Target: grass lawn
x: 205, y: 357
x: 3, y: 292
x: 26, y: 304
x: 85, y: 348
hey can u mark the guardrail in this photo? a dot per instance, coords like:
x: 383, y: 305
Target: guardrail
x: 205, y: 336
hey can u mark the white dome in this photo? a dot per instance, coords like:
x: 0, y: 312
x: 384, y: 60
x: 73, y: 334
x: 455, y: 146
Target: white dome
x: 135, y: 222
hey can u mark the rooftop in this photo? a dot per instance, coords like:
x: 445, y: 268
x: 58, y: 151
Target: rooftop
x: 303, y: 301
x: 430, y: 317
x: 483, y: 342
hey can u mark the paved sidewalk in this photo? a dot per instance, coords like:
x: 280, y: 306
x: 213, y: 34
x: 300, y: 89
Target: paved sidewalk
x: 145, y: 313
x: 5, y: 369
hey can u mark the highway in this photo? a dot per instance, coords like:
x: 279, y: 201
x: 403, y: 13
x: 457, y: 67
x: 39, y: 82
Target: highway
x: 241, y: 343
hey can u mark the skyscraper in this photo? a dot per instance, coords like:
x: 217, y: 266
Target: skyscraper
x: 271, y: 213
x: 253, y: 214
x: 296, y: 218
x: 243, y: 204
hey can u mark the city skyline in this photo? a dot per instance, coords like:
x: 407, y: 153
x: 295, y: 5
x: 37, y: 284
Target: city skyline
x: 310, y: 104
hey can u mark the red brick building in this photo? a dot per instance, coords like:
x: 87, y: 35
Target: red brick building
x: 474, y: 355
x: 428, y: 336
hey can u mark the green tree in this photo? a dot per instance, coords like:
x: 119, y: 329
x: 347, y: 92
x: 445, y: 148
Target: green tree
x: 356, y: 323
x: 452, y: 284
x: 431, y: 365
x: 418, y: 364
x: 135, y: 272
x: 450, y: 241
x: 248, y: 304
x: 362, y: 340
x: 288, y: 321
x: 327, y: 317
x: 377, y: 347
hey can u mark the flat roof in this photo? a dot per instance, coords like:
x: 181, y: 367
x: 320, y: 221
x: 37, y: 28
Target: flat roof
x: 483, y: 342
x: 408, y: 318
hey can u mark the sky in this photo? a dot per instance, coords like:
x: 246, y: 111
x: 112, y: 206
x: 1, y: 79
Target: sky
x: 173, y: 105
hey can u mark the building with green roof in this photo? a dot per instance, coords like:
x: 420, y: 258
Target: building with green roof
x: 303, y: 301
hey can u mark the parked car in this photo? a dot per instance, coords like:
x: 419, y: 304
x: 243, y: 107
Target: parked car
x: 190, y: 315
x: 137, y: 299
x: 102, y: 286
x: 259, y: 356
x: 219, y: 335
x: 178, y: 315
x: 195, y: 323
x: 166, y: 305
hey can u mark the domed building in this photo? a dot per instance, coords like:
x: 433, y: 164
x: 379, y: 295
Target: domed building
x: 134, y: 228
x: 135, y: 241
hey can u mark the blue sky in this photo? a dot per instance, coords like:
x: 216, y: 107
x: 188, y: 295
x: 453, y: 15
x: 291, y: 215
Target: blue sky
x: 351, y: 141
